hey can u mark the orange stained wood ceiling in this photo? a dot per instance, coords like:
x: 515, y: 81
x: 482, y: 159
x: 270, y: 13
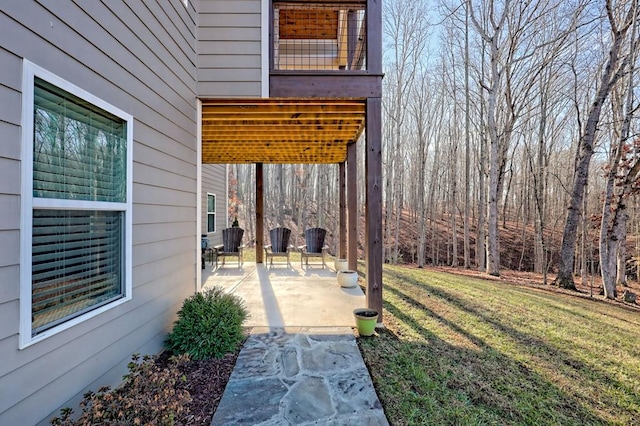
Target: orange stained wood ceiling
x: 285, y: 131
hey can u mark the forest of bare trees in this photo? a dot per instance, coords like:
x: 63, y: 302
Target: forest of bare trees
x: 510, y: 141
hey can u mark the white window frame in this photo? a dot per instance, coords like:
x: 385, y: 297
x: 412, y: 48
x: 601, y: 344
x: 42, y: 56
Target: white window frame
x: 215, y: 212
x: 28, y: 203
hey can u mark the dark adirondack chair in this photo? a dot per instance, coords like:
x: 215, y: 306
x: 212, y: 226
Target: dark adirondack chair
x: 279, y: 246
x: 314, y: 247
x: 232, y: 245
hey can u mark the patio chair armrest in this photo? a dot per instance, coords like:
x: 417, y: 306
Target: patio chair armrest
x: 301, y: 248
x: 219, y: 247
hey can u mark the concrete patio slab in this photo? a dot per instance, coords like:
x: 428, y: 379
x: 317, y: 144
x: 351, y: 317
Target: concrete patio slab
x: 284, y: 296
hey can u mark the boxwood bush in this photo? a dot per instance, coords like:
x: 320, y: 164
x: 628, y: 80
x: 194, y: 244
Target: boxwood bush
x: 209, y: 325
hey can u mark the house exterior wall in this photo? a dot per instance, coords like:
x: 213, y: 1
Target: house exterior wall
x: 229, y: 48
x: 214, y: 181
x: 141, y: 58
x: 229, y: 66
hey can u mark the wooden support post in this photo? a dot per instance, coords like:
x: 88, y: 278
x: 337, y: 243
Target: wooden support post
x: 373, y: 231
x: 352, y: 37
x: 342, y: 251
x: 352, y: 206
x: 259, y: 213
x: 374, y: 36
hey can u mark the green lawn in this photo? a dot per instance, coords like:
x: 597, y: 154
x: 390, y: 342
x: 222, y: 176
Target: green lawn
x: 464, y: 351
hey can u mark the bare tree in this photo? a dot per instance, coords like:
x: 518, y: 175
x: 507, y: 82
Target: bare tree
x: 621, y: 178
x: 519, y: 47
x: 620, y: 17
x: 406, y: 27
x: 493, y: 33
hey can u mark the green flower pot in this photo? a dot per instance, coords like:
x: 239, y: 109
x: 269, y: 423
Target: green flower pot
x: 366, y: 320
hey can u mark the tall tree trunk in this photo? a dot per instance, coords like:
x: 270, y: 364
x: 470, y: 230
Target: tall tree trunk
x: 585, y: 237
x: 495, y: 140
x: 421, y: 195
x: 608, y: 245
x: 493, y: 252
x: 467, y: 142
x: 625, y: 184
x: 612, y: 72
x: 621, y: 275
x: 454, y: 193
x: 482, y: 208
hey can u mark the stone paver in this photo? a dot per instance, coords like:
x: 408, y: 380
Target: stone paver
x: 302, y: 376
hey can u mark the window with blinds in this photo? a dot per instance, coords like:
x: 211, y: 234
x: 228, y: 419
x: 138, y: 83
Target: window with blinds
x: 79, y: 205
x: 211, y: 213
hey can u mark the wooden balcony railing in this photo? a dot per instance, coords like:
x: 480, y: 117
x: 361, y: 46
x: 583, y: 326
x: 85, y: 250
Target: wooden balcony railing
x: 318, y: 35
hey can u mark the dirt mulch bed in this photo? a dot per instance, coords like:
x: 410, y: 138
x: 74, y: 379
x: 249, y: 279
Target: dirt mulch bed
x: 205, y: 382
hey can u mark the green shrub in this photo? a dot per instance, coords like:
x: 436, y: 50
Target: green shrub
x: 147, y: 397
x: 208, y: 325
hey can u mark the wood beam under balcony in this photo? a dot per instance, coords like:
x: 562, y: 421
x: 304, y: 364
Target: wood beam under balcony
x: 284, y: 84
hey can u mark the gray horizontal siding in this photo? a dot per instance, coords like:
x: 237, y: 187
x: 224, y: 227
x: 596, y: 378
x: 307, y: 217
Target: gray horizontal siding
x: 9, y: 289
x: 152, y: 214
x: 214, y: 182
x: 226, y: 20
x: 228, y: 32
x: 230, y: 6
x: 153, y: 176
x: 9, y: 241
x: 10, y: 105
x: 155, y: 232
x: 229, y: 48
x: 221, y: 62
x: 9, y: 170
x: 237, y: 89
x: 9, y: 317
x: 9, y: 213
x: 169, y: 145
x: 108, y: 72
x: 162, y: 250
x: 155, y: 157
x: 232, y: 47
x: 10, y: 136
x: 140, y: 57
x: 150, y: 272
x: 10, y: 148
x: 250, y: 75
x: 10, y: 69
x: 146, y: 194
